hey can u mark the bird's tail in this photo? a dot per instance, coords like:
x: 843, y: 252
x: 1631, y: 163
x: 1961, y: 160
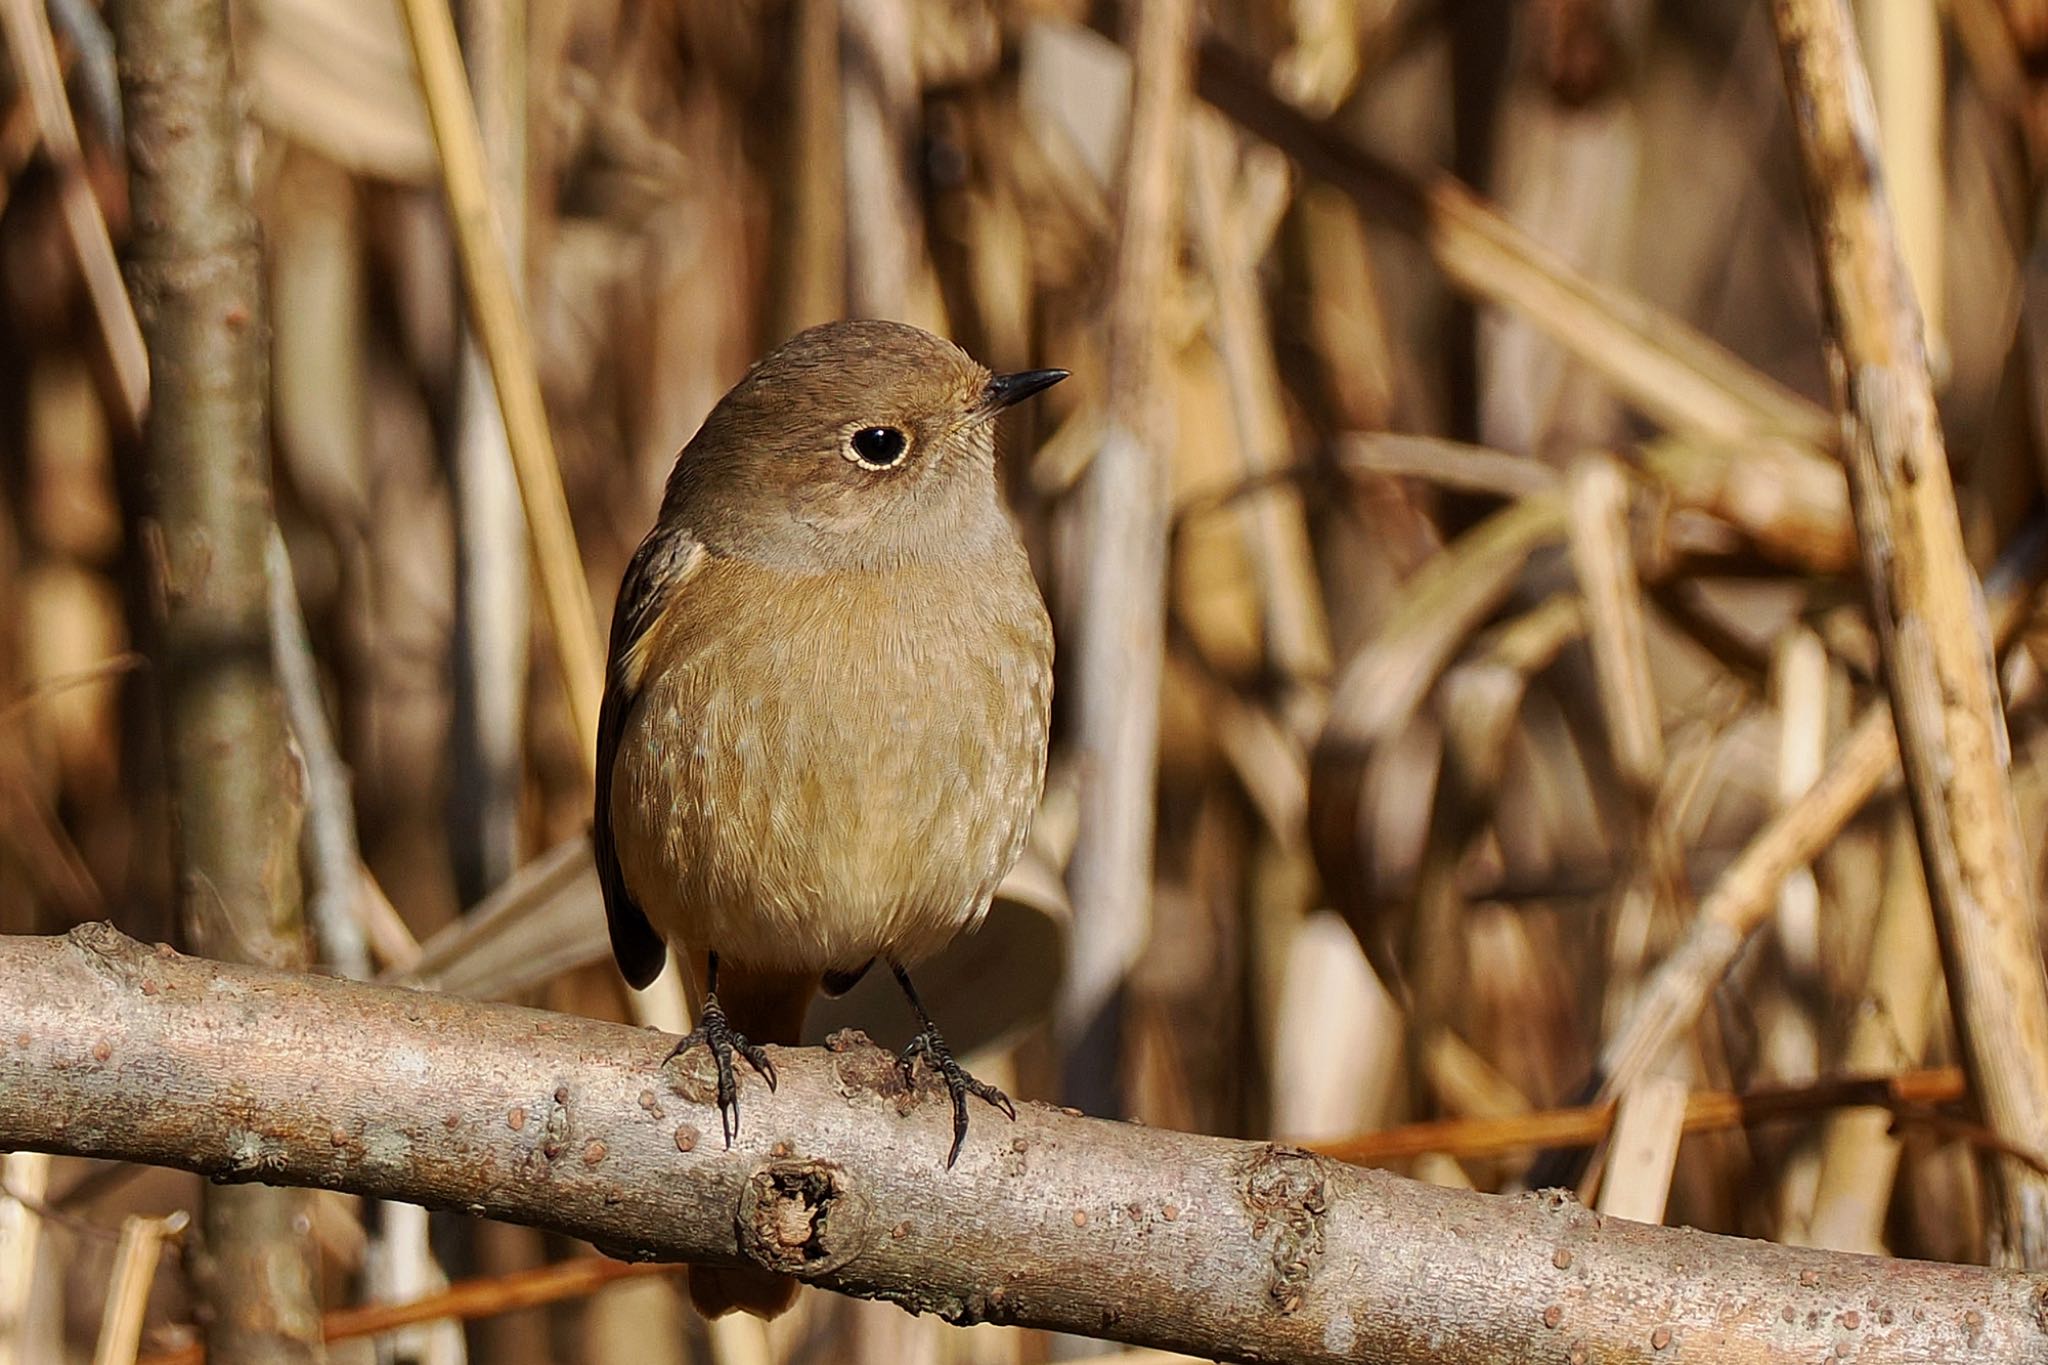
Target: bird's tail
x: 763, y: 1008
x: 721, y: 1289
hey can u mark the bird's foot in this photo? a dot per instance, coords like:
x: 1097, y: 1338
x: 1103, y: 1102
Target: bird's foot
x: 714, y: 1032
x: 959, y: 1084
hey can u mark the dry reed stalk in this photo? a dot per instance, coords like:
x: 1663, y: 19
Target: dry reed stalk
x: 1566, y: 169
x: 1119, y: 637
x: 466, y: 1300
x: 1384, y: 684
x: 389, y: 938
x: 401, y: 1268
x: 810, y: 281
x: 1328, y: 991
x: 24, y: 1181
x: 1936, y: 649
x: 1643, y: 1150
x: 319, y: 352
x: 1446, y: 464
x: 1789, y: 1044
x: 1745, y: 893
x: 880, y: 126
x: 1603, y: 559
x: 1276, y: 529
x: 1468, y: 1085
x: 1660, y: 364
x: 1479, y: 704
x: 493, y: 568
x: 1269, y: 763
x: 1671, y: 998
x: 135, y: 1261
x: 1859, y: 1155
x: 26, y: 24
x: 1995, y: 64
x: 1902, y: 43
x: 1347, y: 324
x: 1799, y: 685
x: 998, y: 243
x: 1795, y: 507
x: 501, y: 327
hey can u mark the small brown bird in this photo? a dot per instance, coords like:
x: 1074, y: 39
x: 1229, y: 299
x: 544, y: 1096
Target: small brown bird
x: 826, y: 704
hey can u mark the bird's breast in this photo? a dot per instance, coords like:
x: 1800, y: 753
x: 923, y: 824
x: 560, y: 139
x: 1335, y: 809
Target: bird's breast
x: 822, y: 768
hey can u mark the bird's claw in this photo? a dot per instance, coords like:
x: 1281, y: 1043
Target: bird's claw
x: 959, y: 1084
x: 714, y: 1032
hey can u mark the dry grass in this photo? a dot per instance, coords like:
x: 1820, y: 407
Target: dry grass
x: 1450, y: 394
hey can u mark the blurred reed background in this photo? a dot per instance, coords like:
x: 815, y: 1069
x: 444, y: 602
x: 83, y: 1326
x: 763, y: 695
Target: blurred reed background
x: 1469, y: 452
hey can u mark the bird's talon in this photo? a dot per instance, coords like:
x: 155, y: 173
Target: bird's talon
x: 715, y: 1033
x: 959, y: 1083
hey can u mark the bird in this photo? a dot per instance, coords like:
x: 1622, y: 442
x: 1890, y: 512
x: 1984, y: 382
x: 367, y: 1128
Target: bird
x: 827, y: 704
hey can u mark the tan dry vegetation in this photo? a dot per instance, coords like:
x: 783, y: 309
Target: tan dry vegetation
x: 1451, y: 438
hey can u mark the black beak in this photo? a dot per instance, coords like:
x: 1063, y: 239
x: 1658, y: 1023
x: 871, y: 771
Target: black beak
x: 1006, y: 389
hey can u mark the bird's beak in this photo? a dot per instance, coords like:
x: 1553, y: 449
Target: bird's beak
x: 1006, y: 389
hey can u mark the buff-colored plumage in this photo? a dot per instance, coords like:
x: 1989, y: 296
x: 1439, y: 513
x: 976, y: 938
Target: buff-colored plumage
x: 830, y: 766
x: 827, y: 706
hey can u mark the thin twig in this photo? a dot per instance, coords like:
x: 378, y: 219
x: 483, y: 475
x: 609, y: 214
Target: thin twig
x: 1706, y: 1111
x: 334, y: 882
x: 14, y: 712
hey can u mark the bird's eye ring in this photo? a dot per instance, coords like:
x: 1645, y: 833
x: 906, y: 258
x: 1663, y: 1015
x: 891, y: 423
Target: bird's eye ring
x: 877, y: 447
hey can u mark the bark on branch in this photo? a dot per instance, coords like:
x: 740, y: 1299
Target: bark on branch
x: 1240, y: 1250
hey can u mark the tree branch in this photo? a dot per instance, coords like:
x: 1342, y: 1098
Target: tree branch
x: 1222, y: 1248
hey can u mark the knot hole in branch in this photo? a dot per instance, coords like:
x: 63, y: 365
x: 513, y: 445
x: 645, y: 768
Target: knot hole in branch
x: 1285, y: 1190
x: 802, y: 1218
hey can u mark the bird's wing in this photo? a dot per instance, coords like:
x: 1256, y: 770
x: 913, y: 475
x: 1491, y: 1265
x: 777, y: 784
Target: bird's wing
x: 661, y: 568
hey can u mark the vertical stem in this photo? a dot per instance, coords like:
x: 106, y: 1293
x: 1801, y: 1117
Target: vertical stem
x: 235, y: 786
x: 884, y: 229
x: 1930, y: 619
x: 1904, y: 43
x: 1120, y: 630
x: 810, y: 276
x: 1275, y: 522
x: 493, y: 569
x: 500, y: 327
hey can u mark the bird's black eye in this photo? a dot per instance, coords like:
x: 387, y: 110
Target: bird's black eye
x: 878, y: 447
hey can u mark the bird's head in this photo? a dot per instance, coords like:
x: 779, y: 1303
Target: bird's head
x: 855, y: 443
